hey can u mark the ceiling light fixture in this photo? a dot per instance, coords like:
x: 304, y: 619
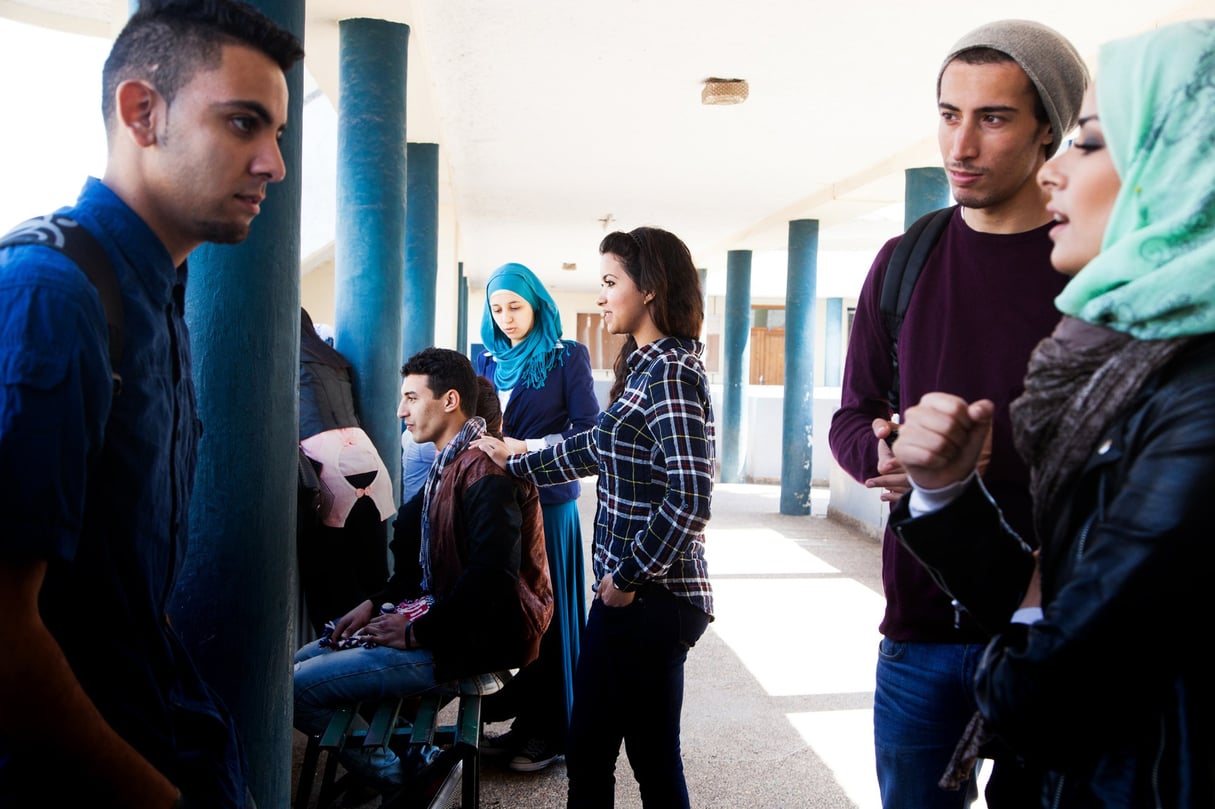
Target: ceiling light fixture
x: 724, y: 91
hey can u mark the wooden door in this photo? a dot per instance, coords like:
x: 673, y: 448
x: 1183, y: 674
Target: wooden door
x: 767, y: 356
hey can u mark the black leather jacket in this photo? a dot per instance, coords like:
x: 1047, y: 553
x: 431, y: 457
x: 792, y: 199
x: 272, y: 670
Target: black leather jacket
x: 1111, y: 693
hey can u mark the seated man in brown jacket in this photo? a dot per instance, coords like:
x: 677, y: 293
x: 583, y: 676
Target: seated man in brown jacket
x: 471, y: 591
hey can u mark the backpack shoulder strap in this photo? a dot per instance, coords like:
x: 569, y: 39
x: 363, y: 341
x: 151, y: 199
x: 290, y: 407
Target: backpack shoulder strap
x: 69, y: 237
x: 902, y: 272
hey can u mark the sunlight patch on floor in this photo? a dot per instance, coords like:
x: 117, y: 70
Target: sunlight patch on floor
x: 823, y: 642
x: 844, y: 742
x: 757, y: 551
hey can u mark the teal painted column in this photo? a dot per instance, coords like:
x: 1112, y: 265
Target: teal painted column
x: 797, y: 426
x: 926, y: 189
x: 461, y: 310
x: 235, y: 600
x: 735, y: 363
x: 370, y: 231
x: 832, y: 372
x: 421, y: 248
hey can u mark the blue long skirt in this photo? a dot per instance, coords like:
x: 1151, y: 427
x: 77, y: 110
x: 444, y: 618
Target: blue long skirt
x: 567, y: 567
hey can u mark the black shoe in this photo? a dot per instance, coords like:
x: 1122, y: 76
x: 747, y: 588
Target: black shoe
x: 502, y: 744
x: 537, y: 754
x: 435, y: 786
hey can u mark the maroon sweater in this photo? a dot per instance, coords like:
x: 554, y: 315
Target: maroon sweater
x: 983, y: 301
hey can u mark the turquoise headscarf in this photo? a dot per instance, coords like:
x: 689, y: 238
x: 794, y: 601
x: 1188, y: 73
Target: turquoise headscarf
x: 1155, y: 275
x: 529, y: 362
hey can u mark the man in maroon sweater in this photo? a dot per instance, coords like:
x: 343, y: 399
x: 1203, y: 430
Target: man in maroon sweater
x: 1008, y: 93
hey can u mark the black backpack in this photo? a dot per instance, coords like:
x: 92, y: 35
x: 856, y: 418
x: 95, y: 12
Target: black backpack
x: 69, y: 237
x: 902, y: 272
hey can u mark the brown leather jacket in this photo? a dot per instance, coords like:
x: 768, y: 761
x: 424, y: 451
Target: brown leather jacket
x: 493, y: 596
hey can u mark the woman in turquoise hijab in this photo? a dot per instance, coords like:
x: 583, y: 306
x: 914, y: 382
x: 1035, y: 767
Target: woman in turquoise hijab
x: 547, y: 395
x: 1097, y: 675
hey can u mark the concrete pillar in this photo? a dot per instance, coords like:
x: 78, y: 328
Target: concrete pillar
x: 461, y: 310
x: 369, y: 254
x: 234, y: 603
x: 421, y: 248
x: 926, y: 189
x: 735, y: 363
x: 835, y: 338
x: 797, y: 431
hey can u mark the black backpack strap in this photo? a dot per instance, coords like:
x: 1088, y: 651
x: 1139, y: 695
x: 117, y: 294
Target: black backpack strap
x: 69, y: 237
x: 902, y: 272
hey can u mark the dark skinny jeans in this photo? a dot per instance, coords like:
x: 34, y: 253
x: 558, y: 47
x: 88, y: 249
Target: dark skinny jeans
x: 629, y: 687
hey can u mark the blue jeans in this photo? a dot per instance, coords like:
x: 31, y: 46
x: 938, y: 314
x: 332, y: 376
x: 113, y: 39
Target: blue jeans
x: 327, y: 679
x: 629, y: 687
x: 921, y: 705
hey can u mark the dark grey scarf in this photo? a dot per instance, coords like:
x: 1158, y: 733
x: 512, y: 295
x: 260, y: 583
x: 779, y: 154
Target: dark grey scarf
x: 1079, y: 380
x: 473, y: 429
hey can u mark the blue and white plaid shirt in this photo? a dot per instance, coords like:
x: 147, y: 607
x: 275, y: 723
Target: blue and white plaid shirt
x: 653, y: 450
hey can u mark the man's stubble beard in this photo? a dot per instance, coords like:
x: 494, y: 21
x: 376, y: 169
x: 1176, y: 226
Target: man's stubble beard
x: 222, y: 232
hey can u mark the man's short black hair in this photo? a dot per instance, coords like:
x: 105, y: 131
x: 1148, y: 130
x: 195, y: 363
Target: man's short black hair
x: 446, y: 370
x: 166, y: 42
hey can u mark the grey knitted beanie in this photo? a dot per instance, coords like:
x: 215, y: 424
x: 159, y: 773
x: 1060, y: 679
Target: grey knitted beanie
x: 1050, y: 61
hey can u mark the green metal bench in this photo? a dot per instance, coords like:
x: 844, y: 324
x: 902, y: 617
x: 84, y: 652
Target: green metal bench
x: 386, y: 728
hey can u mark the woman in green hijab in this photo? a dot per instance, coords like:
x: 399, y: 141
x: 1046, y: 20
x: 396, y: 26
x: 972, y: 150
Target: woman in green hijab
x: 1095, y: 674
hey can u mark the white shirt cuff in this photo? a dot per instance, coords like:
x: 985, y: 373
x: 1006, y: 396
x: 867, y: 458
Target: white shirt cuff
x: 926, y: 501
x: 534, y: 444
x: 1027, y: 615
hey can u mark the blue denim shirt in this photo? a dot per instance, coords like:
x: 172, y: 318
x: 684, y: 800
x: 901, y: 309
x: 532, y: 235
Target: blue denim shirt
x: 99, y: 485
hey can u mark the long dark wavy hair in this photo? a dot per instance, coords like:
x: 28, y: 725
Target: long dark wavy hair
x: 659, y: 263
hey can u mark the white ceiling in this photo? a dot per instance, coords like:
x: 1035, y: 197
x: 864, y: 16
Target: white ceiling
x: 552, y: 114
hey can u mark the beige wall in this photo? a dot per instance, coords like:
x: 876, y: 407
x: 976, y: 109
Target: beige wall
x: 316, y: 291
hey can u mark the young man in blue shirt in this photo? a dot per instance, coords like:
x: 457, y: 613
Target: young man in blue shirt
x: 95, y: 484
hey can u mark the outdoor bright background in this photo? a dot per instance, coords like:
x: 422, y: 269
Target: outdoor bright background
x: 51, y: 136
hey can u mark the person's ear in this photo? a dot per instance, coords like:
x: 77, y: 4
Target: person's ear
x: 649, y: 296
x: 1048, y: 135
x: 137, y: 105
x: 451, y: 401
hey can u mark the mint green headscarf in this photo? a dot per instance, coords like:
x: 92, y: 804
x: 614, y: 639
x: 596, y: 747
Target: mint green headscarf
x: 1155, y: 275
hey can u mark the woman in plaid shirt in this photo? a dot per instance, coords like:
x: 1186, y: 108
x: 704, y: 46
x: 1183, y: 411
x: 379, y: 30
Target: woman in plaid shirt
x: 653, y: 452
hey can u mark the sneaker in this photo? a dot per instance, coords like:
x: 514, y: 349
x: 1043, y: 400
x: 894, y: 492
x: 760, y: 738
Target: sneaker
x: 378, y: 768
x: 537, y: 754
x: 501, y: 744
